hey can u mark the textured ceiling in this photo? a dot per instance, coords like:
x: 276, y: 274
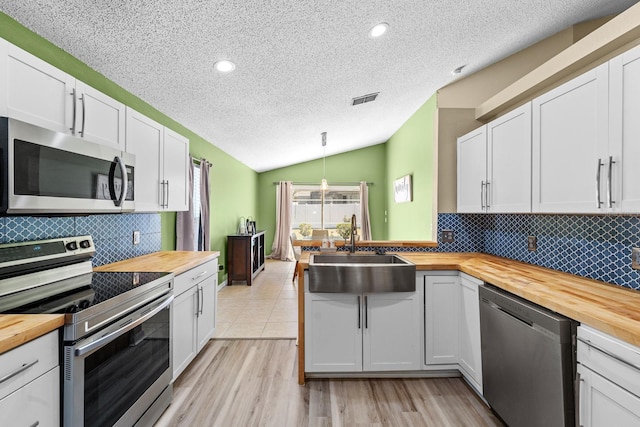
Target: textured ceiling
x: 298, y: 63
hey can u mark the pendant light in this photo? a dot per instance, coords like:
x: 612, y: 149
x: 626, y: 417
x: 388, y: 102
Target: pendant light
x: 324, y: 186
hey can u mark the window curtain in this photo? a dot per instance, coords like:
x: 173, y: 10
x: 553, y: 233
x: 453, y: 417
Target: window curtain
x: 185, y: 237
x: 365, y: 226
x: 204, y: 235
x: 281, y: 248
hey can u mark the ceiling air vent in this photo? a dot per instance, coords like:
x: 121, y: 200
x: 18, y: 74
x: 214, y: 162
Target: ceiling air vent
x: 365, y: 98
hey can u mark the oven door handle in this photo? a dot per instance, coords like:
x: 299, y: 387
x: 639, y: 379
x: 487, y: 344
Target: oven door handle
x: 124, y: 329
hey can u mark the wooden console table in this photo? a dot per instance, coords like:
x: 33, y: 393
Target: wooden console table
x: 245, y: 256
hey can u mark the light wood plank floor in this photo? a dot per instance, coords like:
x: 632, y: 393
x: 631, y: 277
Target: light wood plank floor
x: 254, y: 383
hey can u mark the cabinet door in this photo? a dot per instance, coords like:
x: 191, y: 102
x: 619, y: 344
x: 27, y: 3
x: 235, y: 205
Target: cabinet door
x: 509, y: 162
x: 184, y: 330
x: 472, y: 171
x: 624, y: 131
x: 604, y: 404
x: 175, y: 170
x: 144, y: 140
x: 35, y: 404
x: 333, y: 332
x: 37, y: 92
x: 208, y: 289
x: 441, y: 318
x: 470, y: 347
x: 391, y: 340
x: 570, y: 136
x: 99, y: 118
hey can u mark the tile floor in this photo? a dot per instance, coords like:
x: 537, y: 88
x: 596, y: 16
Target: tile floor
x: 266, y: 309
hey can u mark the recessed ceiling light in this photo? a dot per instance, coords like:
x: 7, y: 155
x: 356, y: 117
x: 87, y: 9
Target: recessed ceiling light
x: 224, y: 66
x: 378, y: 30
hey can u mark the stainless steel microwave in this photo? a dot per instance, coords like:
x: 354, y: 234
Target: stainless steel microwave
x: 47, y: 172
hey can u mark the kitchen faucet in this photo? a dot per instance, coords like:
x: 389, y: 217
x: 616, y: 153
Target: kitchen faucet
x: 354, y: 231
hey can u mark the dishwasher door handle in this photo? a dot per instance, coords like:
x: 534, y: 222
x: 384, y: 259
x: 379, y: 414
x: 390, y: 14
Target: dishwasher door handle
x: 495, y: 306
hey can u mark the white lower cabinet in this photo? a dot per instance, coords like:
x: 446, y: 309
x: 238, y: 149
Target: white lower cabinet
x: 441, y: 317
x: 355, y: 333
x: 470, y: 348
x: 30, y: 389
x: 194, y: 311
x: 609, y: 380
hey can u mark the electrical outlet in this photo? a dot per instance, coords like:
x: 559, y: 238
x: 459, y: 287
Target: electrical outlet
x: 447, y: 236
x: 635, y: 258
x: 220, y: 267
x: 136, y: 237
x: 532, y: 243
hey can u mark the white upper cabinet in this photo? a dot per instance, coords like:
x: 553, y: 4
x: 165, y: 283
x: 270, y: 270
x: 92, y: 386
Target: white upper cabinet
x: 176, y: 171
x: 99, y: 118
x: 570, y: 135
x: 494, y: 165
x: 36, y: 92
x: 621, y: 192
x: 162, y: 159
x: 508, y: 185
x: 472, y: 171
x: 145, y: 140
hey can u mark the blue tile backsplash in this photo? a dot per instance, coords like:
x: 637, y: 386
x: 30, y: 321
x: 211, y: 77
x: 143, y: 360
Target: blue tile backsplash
x: 597, y: 247
x: 112, y: 234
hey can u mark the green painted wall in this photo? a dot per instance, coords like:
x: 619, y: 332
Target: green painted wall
x: 410, y: 152
x: 233, y: 185
x: 366, y: 164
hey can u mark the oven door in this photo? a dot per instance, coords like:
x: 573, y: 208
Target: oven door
x: 52, y: 172
x: 112, y: 377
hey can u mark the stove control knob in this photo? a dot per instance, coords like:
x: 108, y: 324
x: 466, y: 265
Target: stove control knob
x: 72, y: 246
x: 85, y: 244
x: 85, y: 303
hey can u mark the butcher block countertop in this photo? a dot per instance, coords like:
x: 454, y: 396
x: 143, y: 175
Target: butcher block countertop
x: 609, y: 308
x: 176, y: 262
x: 17, y: 329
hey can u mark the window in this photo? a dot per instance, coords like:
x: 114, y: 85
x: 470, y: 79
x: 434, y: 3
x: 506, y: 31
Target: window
x: 333, y: 212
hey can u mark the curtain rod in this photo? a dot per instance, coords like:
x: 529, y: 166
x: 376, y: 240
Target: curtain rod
x: 330, y: 184
x: 199, y: 161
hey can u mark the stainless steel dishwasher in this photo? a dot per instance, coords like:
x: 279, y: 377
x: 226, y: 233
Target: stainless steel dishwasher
x: 528, y: 360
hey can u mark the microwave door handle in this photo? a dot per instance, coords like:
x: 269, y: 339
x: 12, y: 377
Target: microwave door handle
x: 112, y: 183
x: 124, y: 329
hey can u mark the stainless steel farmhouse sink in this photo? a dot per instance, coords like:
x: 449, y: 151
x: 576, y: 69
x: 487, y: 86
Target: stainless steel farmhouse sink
x: 359, y: 273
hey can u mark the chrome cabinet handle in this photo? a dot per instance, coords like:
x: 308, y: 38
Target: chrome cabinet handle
x: 199, y: 275
x: 578, y: 386
x: 162, y: 194
x: 610, y: 201
x: 359, y: 314
x: 201, y: 291
x: 75, y: 108
x: 599, y: 166
x: 486, y: 194
x: 482, y: 195
x: 366, y: 312
x: 130, y: 325
x: 21, y: 369
x: 167, y: 199
x: 84, y: 115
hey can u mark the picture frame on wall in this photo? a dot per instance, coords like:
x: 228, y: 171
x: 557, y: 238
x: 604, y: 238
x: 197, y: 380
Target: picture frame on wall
x: 402, y: 189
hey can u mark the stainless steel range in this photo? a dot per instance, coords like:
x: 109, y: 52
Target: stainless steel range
x: 117, y: 334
